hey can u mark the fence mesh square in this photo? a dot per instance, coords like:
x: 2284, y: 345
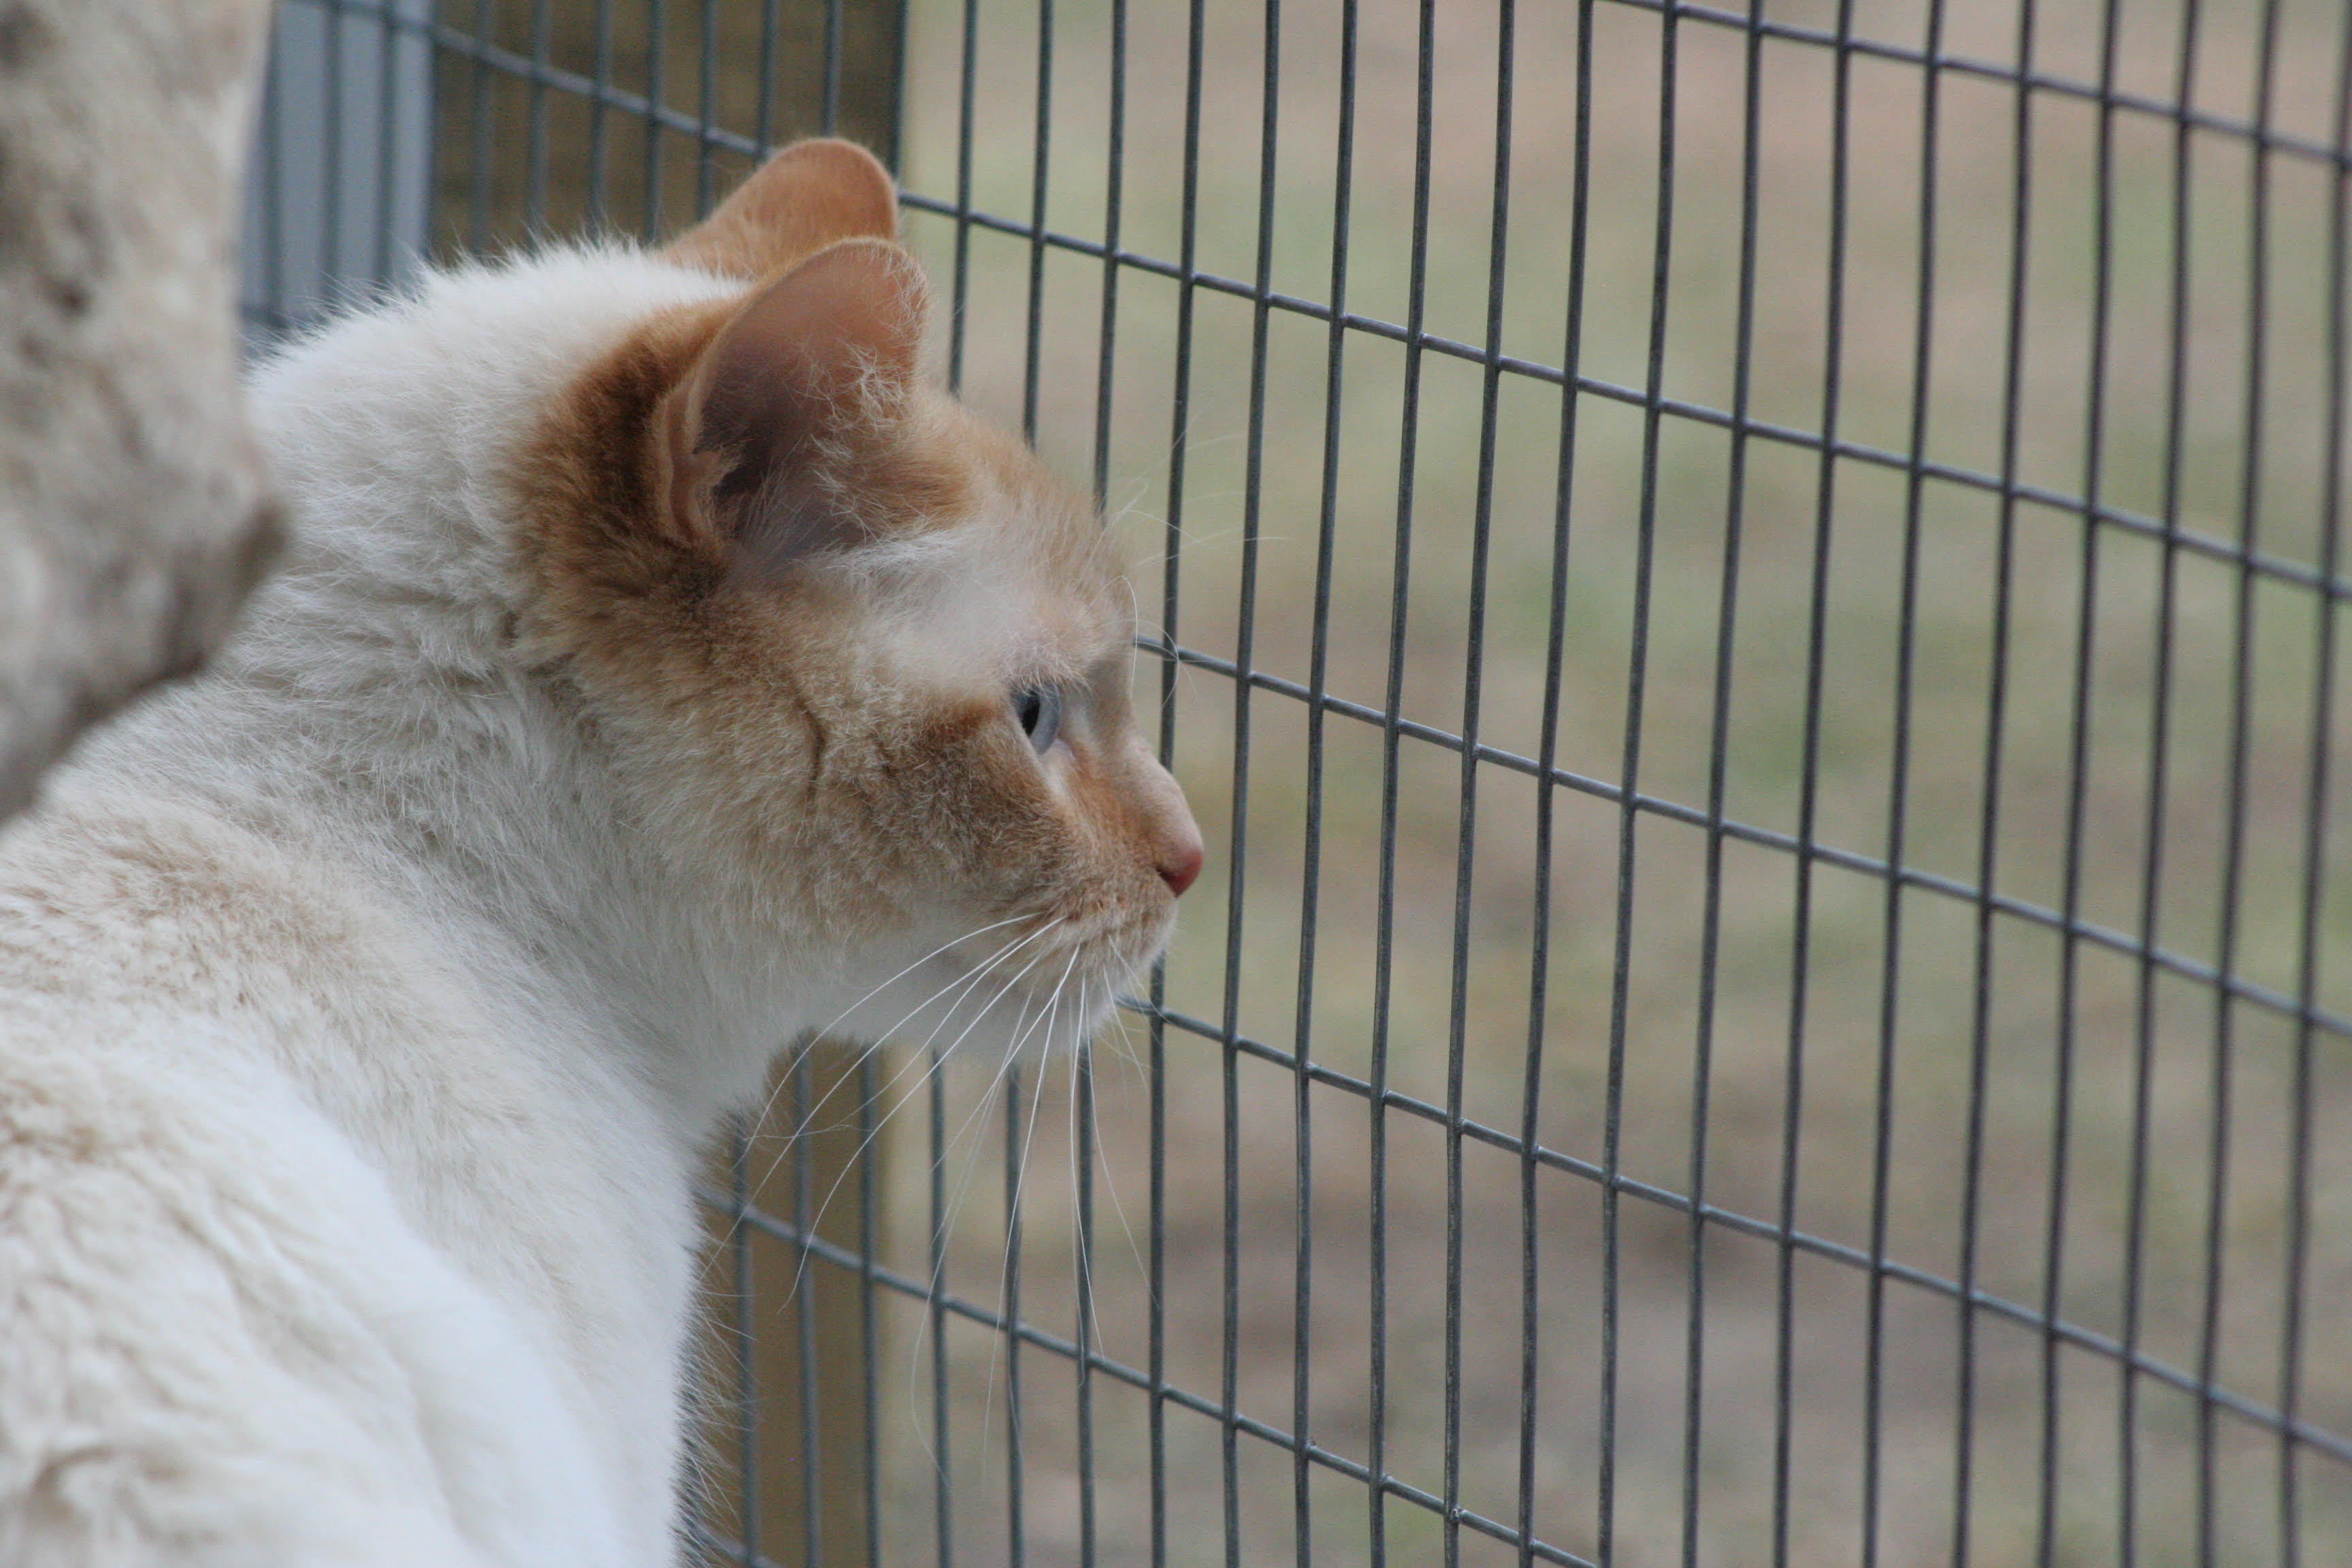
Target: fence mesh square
x: 1751, y: 602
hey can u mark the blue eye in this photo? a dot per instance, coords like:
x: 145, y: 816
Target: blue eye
x: 1039, y: 710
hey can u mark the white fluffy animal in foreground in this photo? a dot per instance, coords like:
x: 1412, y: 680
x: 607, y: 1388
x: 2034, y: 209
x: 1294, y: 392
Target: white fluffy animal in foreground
x: 661, y: 670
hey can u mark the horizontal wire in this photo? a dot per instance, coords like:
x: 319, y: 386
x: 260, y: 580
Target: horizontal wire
x: 2274, y: 1001
x: 2172, y: 113
x: 2327, y: 585
x: 1029, y: 1333
x: 462, y: 41
x: 2262, y: 562
x: 2336, y: 1446
x: 465, y: 44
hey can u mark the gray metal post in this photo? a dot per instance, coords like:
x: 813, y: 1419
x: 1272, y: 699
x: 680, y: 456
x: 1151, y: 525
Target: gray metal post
x: 339, y: 197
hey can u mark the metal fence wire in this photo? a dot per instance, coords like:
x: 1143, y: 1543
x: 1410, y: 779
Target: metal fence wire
x: 1752, y: 605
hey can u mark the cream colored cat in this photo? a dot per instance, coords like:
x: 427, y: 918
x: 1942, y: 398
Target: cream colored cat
x: 663, y: 669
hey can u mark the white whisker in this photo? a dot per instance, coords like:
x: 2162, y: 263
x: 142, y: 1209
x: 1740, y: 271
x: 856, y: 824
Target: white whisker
x: 956, y: 941
x: 769, y: 1105
x: 1005, y: 1306
x: 918, y: 1054
x: 963, y: 983
x: 1117, y: 1016
x: 944, y: 1225
x: 1020, y: 1185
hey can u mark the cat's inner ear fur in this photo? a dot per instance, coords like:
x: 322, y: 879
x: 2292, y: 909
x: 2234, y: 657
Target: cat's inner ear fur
x: 786, y: 438
x: 810, y: 196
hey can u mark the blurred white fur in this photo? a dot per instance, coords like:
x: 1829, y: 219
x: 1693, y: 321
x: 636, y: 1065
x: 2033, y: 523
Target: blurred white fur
x: 403, y: 1312
x: 365, y: 1005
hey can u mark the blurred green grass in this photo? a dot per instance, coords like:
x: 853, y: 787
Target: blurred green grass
x: 2188, y: 456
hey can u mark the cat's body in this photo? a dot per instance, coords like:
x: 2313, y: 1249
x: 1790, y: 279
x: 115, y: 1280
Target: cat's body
x: 648, y: 684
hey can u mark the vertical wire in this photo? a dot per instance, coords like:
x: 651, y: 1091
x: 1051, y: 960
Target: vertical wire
x: 1989, y: 865
x: 599, y: 123
x: 899, y: 22
x: 1989, y: 834
x: 1636, y: 683
x: 1115, y: 157
x: 535, y: 152
x: 943, y: 1495
x: 331, y: 198
x: 389, y: 46
x: 1107, y: 335
x: 1180, y: 418
x: 1082, y: 1091
x: 1547, y: 793
x: 707, y: 94
x: 1466, y: 826
x: 747, y: 1382
x: 868, y: 1342
x: 2158, y: 763
x: 1015, y: 1479
x: 428, y: 137
x: 2095, y: 432
x: 763, y: 111
x: 2314, y: 829
x: 2233, y: 841
x: 804, y: 1313
x: 1392, y: 719
x: 960, y: 289
x: 1718, y: 766
x: 1031, y: 376
x: 1809, y: 793
x: 1155, y: 1242
x: 1898, y: 796
x: 831, y: 102
x: 2085, y: 657
x: 657, y: 33
x: 2054, y: 1258
x: 1033, y: 361
x: 1237, y: 882
x: 478, y: 197
x: 1318, y: 666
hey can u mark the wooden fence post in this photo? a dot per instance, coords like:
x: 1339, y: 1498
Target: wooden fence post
x: 807, y: 1314
x: 784, y: 1342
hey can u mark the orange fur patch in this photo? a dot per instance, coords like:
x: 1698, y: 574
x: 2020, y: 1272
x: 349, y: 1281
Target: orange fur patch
x: 682, y: 503
x: 805, y: 198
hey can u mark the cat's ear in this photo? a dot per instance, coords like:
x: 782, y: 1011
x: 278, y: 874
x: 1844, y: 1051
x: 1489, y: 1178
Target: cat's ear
x: 805, y: 198
x: 778, y: 444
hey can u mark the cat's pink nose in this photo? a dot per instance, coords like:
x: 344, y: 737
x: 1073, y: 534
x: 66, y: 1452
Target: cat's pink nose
x: 1180, y: 864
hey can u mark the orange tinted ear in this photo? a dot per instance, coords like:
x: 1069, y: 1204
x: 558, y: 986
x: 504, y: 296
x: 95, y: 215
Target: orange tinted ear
x: 805, y: 198
x: 799, y: 385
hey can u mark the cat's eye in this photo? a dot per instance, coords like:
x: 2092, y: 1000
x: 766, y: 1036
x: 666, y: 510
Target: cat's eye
x: 1039, y: 709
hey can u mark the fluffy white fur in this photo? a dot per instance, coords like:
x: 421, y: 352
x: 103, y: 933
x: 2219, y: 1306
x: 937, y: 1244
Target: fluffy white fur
x: 353, y: 1061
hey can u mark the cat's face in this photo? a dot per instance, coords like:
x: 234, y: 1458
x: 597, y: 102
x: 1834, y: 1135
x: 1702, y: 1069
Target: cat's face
x: 861, y: 662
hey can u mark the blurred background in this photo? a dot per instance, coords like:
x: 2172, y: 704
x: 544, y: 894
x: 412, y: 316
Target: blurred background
x: 1807, y: 461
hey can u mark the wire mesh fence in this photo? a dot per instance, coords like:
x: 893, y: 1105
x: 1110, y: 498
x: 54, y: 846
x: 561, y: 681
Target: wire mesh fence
x: 1751, y: 602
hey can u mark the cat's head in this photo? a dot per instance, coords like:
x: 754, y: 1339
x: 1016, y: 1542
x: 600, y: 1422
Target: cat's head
x: 862, y: 663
